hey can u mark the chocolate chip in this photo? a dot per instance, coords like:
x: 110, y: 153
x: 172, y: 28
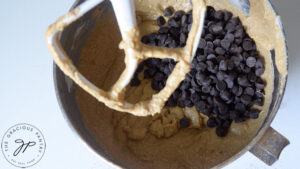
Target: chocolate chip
x: 188, y: 103
x: 163, y: 30
x: 211, y: 56
x: 229, y: 82
x: 220, y: 85
x: 259, y: 63
x: 246, y: 99
x: 175, y: 32
x: 200, y: 106
x: 239, y: 107
x: 227, y: 16
x: 230, y: 100
x: 225, y: 43
x: 209, y: 37
x: 211, y: 122
x: 207, y: 111
x: 162, y: 39
x: 221, y: 75
x: 223, y: 116
x: 173, y: 44
x: 253, y: 114
x: 259, y: 71
x: 203, y: 96
x: 230, y: 64
x: 238, y: 41
x: 201, y: 66
x: 173, y: 23
x: 252, y: 77
x: 181, y: 103
x: 234, y: 49
x: 135, y: 81
x: 220, y: 58
x: 200, y: 76
x: 171, y: 66
x: 195, y: 97
x: 240, y: 91
x: 230, y: 27
x: 178, y: 15
x: 225, y: 95
x: 169, y: 40
x: 209, y: 44
x: 223, y: 65
x: 217, y: 42
x: 158, y: 76
x: 167, y: 70
x: 236, y: 60
x: 259, y: 85
x: 219, y: 121
x: 176, y: 94
x: 239, y: 33
x: 259, y: 94
x: 160, y: 21
x: 258, y: 102
x: 184, y: 85
x: 249, y: 91
x: 189, y: 27
x: 171, y: 102
x: 220, y: 51
x: 206, y: 82
x: 221, y: 132
x: 184, y: 95
x: 185, y: 28
x: 202, y: 44
x: 168, y: 11
x: 190, y: 18
x: 216, y: 29
x: 239, y: 120
x: 233, y: 114
x: 226, y: 123
x: 213, y: 78
x: 210, y: 12
x: 243, y: 81
x: 208, y: 50
x: 184, y: 19
x: 245, y: 68
x: 206, y: 89
x: 213, y: 91
x: 155, y: 85
x: 251, y: 61
x: 183, y: 38
x: 140, y: 67
x: 201, y: 58
x: 237, y: 100
x: 234, y: 20
x: 184, y: 122
x: 145, y: 39
x: 152, y: 36
x: 247, y: 45
x: 219, y: 15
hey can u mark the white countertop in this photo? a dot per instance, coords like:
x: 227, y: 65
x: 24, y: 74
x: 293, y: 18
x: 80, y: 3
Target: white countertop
x: 27, y: 90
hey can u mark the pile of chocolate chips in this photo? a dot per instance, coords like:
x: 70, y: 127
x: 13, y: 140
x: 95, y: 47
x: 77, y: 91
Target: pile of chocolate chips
x: 224, y: 82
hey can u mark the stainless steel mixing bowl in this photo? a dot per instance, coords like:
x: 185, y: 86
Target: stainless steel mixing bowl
x: 266, y: 145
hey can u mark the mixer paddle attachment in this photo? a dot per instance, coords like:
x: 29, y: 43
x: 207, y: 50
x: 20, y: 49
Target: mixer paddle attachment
x: 135, y: 53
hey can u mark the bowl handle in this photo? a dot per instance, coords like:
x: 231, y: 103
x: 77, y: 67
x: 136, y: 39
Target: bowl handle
x: 269, y: 147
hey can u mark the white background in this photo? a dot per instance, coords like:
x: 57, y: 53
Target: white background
x: 27, y: 91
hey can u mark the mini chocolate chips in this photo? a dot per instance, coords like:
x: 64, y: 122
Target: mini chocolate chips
x: 224, y: 82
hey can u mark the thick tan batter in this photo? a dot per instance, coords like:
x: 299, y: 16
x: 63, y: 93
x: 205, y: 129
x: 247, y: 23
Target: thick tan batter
x: 157, y: 142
